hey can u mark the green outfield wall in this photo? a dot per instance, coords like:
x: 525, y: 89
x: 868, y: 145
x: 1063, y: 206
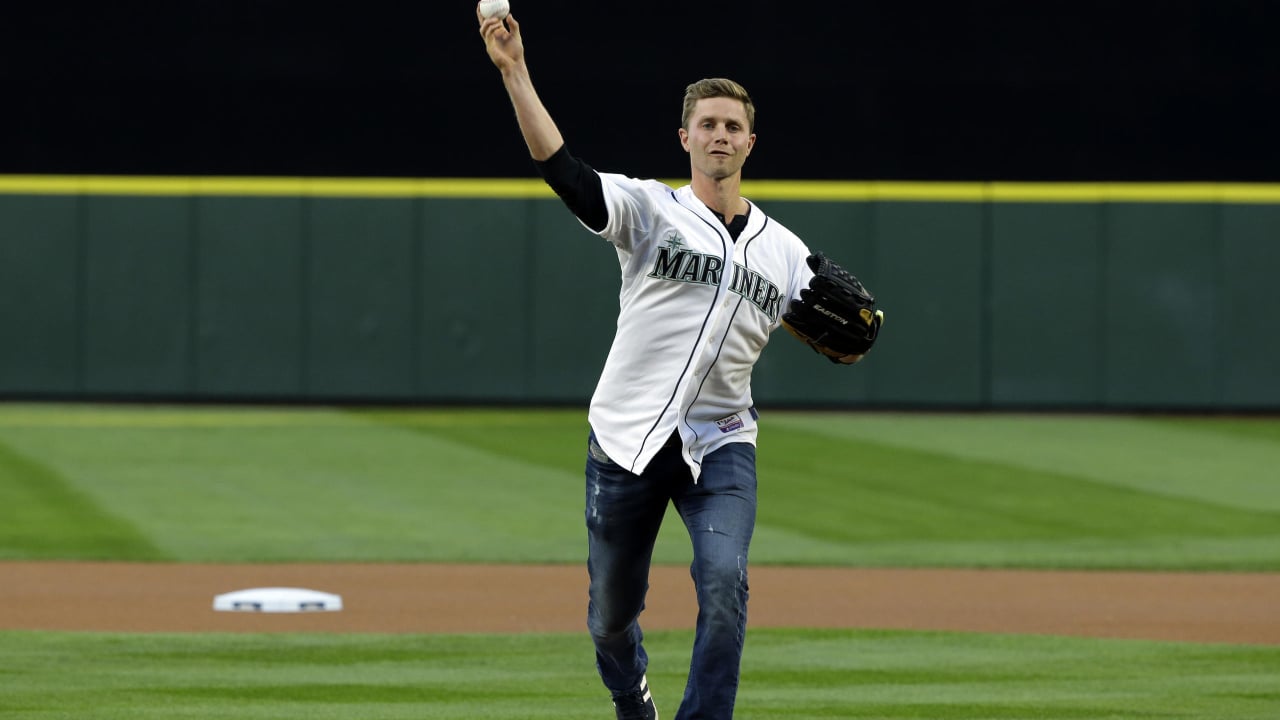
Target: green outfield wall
x: 276, y: 289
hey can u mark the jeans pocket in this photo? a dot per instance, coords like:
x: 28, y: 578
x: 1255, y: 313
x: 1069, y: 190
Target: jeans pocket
x: 597, y: 453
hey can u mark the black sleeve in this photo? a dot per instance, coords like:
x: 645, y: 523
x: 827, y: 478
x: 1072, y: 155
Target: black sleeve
x: 578, y: 186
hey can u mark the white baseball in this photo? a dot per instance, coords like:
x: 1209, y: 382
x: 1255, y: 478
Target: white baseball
x: 494, y: 8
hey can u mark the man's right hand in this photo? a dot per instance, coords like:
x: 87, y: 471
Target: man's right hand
x: 502, y: 40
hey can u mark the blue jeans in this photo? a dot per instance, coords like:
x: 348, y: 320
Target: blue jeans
x: 623, y: 513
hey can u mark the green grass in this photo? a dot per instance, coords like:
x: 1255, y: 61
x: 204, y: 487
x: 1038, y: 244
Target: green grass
x: 223, y: 484
x: 45, y: 517
x: 1229, y: 462
x: 268, y: 484
x: 786, y: 674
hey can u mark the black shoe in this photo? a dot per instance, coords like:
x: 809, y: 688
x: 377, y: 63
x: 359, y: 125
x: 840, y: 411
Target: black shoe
x: 636, y: 705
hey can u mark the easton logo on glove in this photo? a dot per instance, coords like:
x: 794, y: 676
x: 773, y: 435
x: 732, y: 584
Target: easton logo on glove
x: 830, y: 314
x: 835, y: 315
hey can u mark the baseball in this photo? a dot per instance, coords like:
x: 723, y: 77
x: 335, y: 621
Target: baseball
x: 494, y: 8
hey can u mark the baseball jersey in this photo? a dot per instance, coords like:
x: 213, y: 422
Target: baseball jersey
x: 696, y: 308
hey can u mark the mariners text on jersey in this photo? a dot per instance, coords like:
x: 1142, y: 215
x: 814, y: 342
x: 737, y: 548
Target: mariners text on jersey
x: 680, y: 265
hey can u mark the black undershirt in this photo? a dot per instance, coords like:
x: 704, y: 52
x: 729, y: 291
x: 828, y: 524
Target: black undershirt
x: 579, y: 186
x: 735, y: 226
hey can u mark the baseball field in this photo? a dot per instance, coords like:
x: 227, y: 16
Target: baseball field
x: 975, y: 566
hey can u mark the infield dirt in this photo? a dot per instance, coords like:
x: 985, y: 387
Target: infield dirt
x: 445, y: 598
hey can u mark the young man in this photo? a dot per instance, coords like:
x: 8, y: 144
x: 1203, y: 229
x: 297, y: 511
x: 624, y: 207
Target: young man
x: 706, y: 277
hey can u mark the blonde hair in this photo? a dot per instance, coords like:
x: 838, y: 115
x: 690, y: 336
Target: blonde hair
x: 714, y: 88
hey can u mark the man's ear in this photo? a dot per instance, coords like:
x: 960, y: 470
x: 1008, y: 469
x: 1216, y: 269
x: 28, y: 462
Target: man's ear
x: 751, y: 143
x: 684, y: 139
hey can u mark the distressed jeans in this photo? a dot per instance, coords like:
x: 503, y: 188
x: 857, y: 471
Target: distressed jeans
x: 623, y: 514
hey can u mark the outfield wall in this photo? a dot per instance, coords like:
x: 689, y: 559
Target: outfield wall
x: 1004, y: 296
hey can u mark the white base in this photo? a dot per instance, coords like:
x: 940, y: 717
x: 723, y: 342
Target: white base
x: 277, y: 600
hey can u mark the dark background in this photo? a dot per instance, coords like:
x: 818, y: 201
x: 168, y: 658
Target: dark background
x: 1173, y: 90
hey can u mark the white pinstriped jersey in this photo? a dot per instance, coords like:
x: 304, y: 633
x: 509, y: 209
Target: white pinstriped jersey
x: 696, y: 309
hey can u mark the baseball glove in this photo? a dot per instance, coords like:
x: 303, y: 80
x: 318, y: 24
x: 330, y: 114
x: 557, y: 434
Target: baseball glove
x: 835, y: 315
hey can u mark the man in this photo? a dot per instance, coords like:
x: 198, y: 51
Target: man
x: 706, y: 277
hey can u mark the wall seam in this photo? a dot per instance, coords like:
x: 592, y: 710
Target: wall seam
x: 304, y: 295
x: 193, y: 291
x: 81, y: 278
x: 417, y: 253
x: 986, y: 281
x: 1101, y: 367
x: 1217, y: 374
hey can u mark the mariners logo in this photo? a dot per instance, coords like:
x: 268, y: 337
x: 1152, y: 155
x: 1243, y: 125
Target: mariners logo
x: 677, y: 263
x: 681, y: 265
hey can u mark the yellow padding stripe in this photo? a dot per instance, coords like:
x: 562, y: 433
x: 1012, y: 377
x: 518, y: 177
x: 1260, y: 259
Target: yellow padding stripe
x: 272, y: 186
x: 797, y: 190
x: 1136, y: 192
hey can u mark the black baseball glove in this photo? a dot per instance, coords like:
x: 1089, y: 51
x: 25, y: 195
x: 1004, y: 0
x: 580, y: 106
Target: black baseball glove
x: 835, y: 315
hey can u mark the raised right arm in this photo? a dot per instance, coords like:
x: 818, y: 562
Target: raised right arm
x: 573, y: 180
x: 506, y: 50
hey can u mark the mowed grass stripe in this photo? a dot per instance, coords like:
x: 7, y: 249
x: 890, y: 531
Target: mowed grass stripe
x: 1234, y: 468
x: 318, y: 490
x: 1252, y: 427
x: 786, y: 674
x: 42, y: 516
x: 554, y: 439
x: 67, y: 416
x: 506, y: 485
x: 888, y: 493
x: 883, y: 505
x: 550, y: 438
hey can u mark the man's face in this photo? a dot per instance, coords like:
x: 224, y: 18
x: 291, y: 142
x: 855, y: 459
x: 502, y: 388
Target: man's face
x: 718, y: 140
